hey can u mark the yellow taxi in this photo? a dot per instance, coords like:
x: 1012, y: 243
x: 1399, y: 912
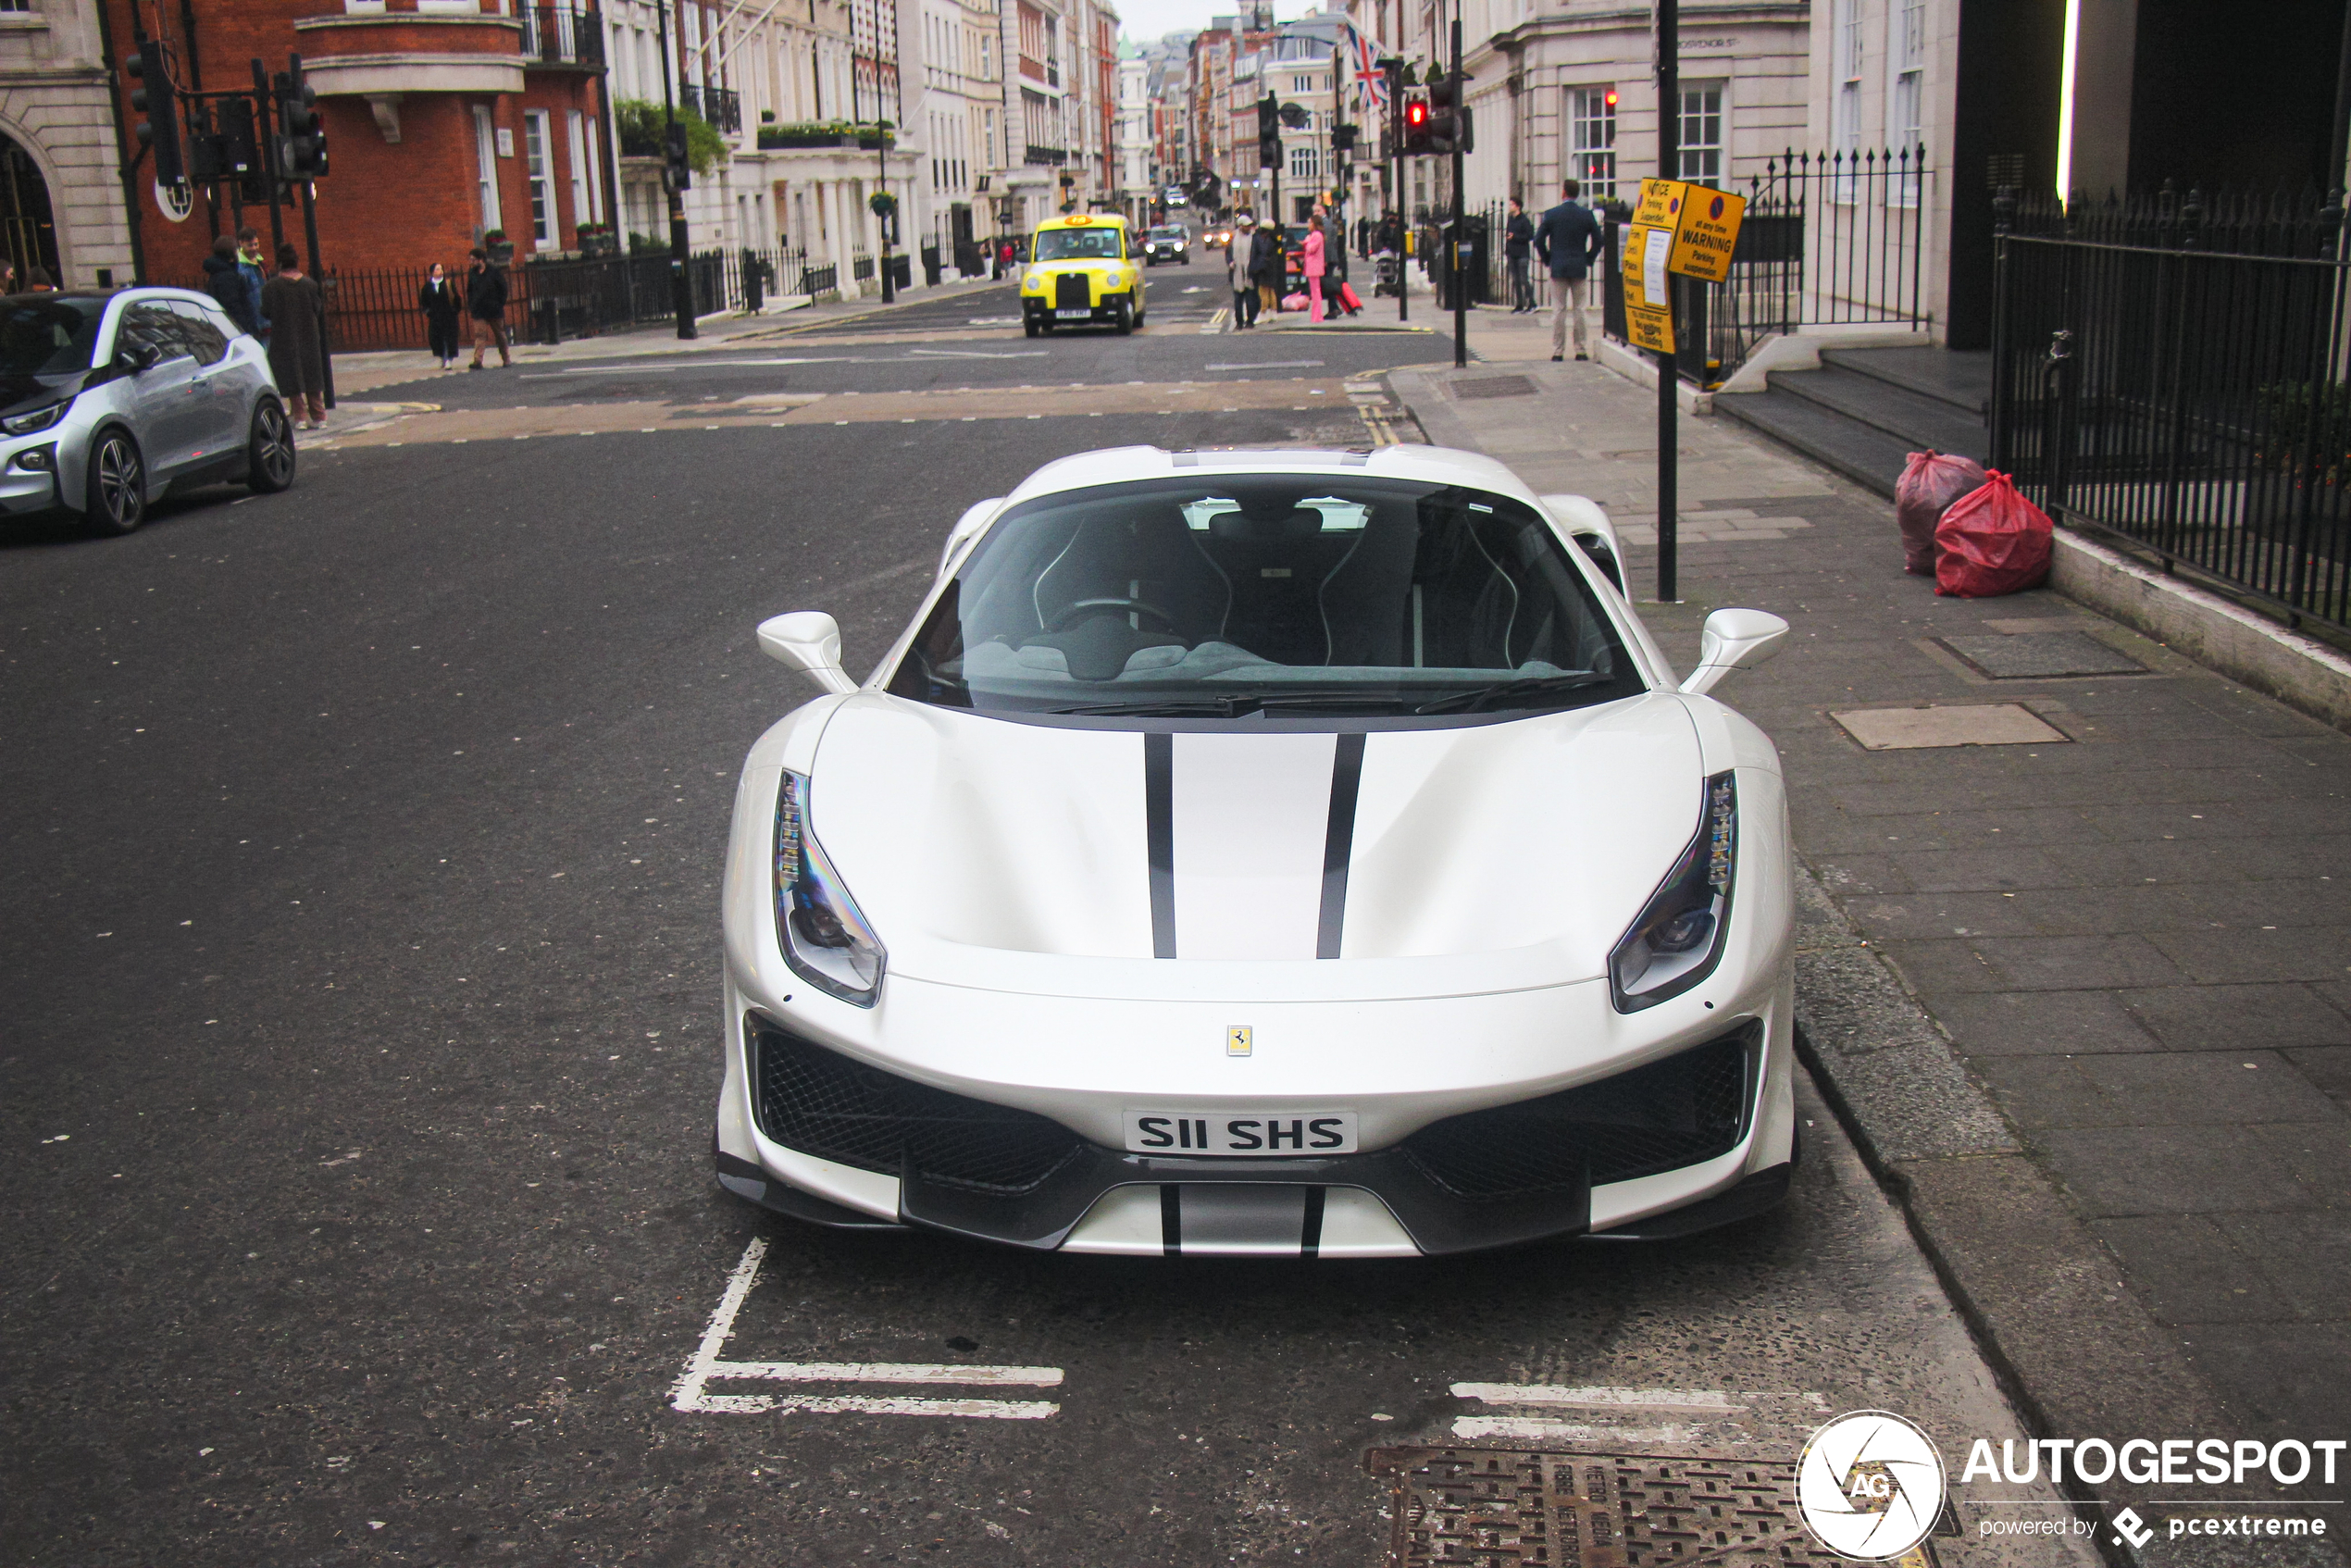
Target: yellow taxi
x: 1082, y: 272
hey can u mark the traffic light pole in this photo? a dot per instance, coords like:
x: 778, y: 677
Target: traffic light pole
x: 1669, y: 157
x: 681, y: 286
x: 270, y: 169
x: 1453, y: 248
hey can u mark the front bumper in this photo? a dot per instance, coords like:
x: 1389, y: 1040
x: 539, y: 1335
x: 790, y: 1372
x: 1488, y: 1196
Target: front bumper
x: 26, y: 488
x: 1448, y: 1173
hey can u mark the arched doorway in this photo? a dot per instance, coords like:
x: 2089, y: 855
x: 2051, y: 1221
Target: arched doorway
x: 27, y: 231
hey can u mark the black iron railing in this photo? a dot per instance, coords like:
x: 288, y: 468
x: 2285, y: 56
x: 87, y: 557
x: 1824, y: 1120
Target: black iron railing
x: 1034, y: 154
x: 721, y: 107
x: 562, y: 35
x: 2194, y: 404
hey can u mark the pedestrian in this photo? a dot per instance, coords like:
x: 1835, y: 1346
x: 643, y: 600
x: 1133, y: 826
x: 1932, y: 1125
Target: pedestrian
x: 249, y: 269
x: 8, y: 282
x: 1004, y: 255
x: 1519, y: 247
x: 486, y: 308
x: 1236, y: 256
x: 297, y: 311
x: 438, y: 299
x: 1567, y: 240
x: 1266, y: 267
x: 226, y: 284
x: 1314, y: 266
x: 36, y: 280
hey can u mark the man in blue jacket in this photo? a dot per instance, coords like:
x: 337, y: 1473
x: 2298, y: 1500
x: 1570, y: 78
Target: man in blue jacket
x: 1567, y: 240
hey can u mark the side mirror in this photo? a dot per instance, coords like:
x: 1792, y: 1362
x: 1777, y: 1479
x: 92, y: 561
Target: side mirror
x: 137, y: 357
x: 807, y: 641
x: 1733, y: 639
x: 966, y: 527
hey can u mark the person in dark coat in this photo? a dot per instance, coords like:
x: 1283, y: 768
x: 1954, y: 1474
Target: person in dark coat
x: 442, y: 308
x: 486, y: 308
x: 1237, y: 263
x: 1267, y: 267
x: 226, y: 283
x: 297, y: 312
x: 1518, y: 245
x: 1567, y: 240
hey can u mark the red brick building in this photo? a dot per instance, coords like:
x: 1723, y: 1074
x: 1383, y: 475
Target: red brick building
x: 444, y: 118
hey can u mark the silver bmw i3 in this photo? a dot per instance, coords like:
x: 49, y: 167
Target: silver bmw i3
x: 109, y: 399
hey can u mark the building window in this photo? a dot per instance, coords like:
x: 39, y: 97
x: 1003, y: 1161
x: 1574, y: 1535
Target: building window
x: 575, y: 157
x: 486, y: 166
x: 1305, y: 161
x: 592, y: 170
x: 1591, y: 130
x: 535, y: 177
x: 1701, y: 135
x: 1907, y: 105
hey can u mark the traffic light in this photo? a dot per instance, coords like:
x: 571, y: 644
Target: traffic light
x: 1269, y: 132
x: 302, y: 152
x: 681, y: 167
x: 1416, y: 137
x: 155, y: 98
x: 1449, y: 115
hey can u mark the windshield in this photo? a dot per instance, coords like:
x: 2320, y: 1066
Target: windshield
x: 1077, y: 244
x: 47, y: 334
x: 1231, y: 594
x: 1167, y: 233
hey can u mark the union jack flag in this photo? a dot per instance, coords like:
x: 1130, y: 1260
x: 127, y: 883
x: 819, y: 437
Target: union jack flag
x: 1370, y: 83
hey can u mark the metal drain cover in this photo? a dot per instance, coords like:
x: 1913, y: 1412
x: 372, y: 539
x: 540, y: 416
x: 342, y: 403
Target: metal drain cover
x: 2042, y: 655
x: 1511, y: 1508
x: 1492, y: 386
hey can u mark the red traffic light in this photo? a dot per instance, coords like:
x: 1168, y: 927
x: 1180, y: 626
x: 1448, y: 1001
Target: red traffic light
x: 1611, y: 97
x: 1415, y: 113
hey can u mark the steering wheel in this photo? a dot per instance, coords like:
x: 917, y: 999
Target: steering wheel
x: 1079, y: 612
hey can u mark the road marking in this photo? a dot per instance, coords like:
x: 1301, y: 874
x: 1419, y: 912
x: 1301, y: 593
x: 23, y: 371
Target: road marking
x: 1608, y: 1411
x: 974, y: 354
x: 1713, y: 1399
x: 1269, y: 365
x: 690, y: 1394
x: 1521, y: 1430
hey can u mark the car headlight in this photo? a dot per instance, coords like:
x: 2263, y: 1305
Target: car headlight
x: 39, y: 419
x: 825, y: 937
x: 1678, y: 939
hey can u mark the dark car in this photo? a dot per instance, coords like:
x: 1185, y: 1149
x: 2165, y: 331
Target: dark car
x: 1169, y: 241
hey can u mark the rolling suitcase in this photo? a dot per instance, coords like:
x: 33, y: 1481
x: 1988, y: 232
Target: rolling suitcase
x: 1348, y: 298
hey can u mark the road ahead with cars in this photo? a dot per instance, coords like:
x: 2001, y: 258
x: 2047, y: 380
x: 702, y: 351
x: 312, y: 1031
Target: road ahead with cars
x: 364, y: 1023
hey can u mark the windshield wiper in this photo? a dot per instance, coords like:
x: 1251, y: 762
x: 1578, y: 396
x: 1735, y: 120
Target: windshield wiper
x: 1528, y: 686
x: 1232, y: 705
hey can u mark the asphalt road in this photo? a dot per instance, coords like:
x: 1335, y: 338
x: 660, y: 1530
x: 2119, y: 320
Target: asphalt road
x: 361, y: 1023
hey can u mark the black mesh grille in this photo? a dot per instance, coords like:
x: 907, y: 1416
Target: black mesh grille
x: 1073, y: 291
x: 1687, y: 1108
x: 821, y: 1104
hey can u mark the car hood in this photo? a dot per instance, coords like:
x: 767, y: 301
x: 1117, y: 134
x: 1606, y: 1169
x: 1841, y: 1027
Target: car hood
x: 22, y: 395
x: 1472, y: 857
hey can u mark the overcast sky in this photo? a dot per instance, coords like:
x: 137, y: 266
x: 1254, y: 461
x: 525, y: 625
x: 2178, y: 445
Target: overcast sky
x: 1147, y: 20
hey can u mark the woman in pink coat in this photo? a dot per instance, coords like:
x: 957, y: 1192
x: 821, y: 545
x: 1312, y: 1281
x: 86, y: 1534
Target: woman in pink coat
x: 1314, y: 268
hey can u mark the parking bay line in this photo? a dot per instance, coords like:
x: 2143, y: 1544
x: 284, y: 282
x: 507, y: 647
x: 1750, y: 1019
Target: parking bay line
x: 692, y: 1394
x: 1604, y: 1407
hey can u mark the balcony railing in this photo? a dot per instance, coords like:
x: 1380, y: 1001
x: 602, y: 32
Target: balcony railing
x: 563, y: 35
x: 1053, y: 156
x: 722, y: 107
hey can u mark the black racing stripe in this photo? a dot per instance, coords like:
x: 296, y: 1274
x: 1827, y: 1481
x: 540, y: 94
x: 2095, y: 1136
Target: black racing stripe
x: 1171, y: 1219
x: 1338, y: 843
x: 1310, y: 1239
x: 1159, y: 838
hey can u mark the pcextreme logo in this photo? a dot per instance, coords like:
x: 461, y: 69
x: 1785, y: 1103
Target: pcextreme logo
x: 1869, y: 1484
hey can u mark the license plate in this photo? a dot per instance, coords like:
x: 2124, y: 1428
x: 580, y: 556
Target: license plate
x: 1250, y: 1133
x: 1072, y: 315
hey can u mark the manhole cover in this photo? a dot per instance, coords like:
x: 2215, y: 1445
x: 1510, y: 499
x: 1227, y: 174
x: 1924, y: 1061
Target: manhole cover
x: 2042, y: 655
x: 1509, y: 1507
x: 1492, y: 386
x: 1989, y: 724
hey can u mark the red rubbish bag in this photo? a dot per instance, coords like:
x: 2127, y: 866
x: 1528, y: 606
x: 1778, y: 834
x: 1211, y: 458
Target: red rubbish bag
x: 1932, y: 481
x: 1993, y: 542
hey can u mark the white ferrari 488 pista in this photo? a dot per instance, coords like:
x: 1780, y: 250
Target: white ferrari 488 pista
x: 1276, y: 852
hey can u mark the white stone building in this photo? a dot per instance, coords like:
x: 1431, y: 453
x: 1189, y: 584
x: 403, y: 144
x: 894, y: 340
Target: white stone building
x: 61, y: 197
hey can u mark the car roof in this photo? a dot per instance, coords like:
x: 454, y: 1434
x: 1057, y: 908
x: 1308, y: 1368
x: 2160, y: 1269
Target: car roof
x: 1084, y: 220
x: 1128, y: 465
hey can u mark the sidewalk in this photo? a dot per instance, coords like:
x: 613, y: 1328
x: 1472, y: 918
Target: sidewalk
x: 2084, y: 996
x: 358, y: 374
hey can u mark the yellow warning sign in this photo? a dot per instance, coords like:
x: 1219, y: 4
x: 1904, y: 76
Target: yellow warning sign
x: 1648, y: 300
x: 1708, y: 233
x: 1660, y: 205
